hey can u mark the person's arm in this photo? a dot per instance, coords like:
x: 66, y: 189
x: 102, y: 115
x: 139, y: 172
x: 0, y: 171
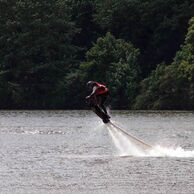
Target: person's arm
x: 93, y: 92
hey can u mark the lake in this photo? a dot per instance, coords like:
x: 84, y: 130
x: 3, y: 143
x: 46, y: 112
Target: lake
x: 74, y: 152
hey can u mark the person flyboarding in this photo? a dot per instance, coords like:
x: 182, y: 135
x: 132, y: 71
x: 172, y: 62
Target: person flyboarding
x: 97, y: 99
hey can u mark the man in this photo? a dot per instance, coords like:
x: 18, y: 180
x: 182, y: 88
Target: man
x: 97, y: 99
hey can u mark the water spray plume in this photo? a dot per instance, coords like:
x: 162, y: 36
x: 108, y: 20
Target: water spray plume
x: 128, y: 145
x: 132, y: 138
x: 124, y: 146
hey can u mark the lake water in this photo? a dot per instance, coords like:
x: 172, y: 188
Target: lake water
x: 74, y: 152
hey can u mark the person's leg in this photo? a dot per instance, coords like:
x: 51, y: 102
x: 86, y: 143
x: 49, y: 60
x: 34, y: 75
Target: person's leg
x: 102, y: 101
x: 98, y: 111
x: 92, y: 101
x: 101, y: 114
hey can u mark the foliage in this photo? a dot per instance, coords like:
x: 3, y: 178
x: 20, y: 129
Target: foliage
x: 114, y: 62
x: 49, y: 49
x: 36, y: 49
x: 156, y: 27
x: 171, y: 87
x: 82, y: 12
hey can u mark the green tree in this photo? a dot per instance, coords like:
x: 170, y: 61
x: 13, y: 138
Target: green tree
x: 114, y: 62
x: 36, y: 50
x: 82, y: 13
x: 156, y: 27
x: 171, y: 87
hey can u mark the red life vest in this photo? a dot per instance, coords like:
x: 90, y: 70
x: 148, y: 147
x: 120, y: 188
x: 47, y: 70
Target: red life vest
x: 101, y: 89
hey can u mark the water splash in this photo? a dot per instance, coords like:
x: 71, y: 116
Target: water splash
x: 124, y: 146
x: 35, y: 132
x: 159, y: 151
x: 131, y: 147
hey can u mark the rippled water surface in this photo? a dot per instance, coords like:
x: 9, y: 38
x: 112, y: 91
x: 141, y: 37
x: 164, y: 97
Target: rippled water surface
x: 74, y: 152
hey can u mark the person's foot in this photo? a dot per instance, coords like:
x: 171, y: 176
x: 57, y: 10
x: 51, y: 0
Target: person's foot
x: 108, y: 116
x: 106, y: 120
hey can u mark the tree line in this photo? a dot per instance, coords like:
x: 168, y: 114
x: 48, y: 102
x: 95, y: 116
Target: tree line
x: 143, y: 50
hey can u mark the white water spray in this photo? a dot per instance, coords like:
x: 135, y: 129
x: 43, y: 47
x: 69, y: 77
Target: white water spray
x: 129, y: 145
x: 159, y: 151
x: 124, y: 146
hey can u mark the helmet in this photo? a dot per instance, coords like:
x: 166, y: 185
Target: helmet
x: 91, y: 84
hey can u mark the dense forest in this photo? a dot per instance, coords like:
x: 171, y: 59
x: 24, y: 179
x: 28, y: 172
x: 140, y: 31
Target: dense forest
x: 143, y: 50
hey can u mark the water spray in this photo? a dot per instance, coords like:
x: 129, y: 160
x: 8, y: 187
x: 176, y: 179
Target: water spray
x: 129, y: 145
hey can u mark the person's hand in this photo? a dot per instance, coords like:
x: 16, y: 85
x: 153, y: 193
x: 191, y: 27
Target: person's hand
x: 87, y: 97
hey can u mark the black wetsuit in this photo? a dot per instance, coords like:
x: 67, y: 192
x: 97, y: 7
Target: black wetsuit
x: 101, y: 98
